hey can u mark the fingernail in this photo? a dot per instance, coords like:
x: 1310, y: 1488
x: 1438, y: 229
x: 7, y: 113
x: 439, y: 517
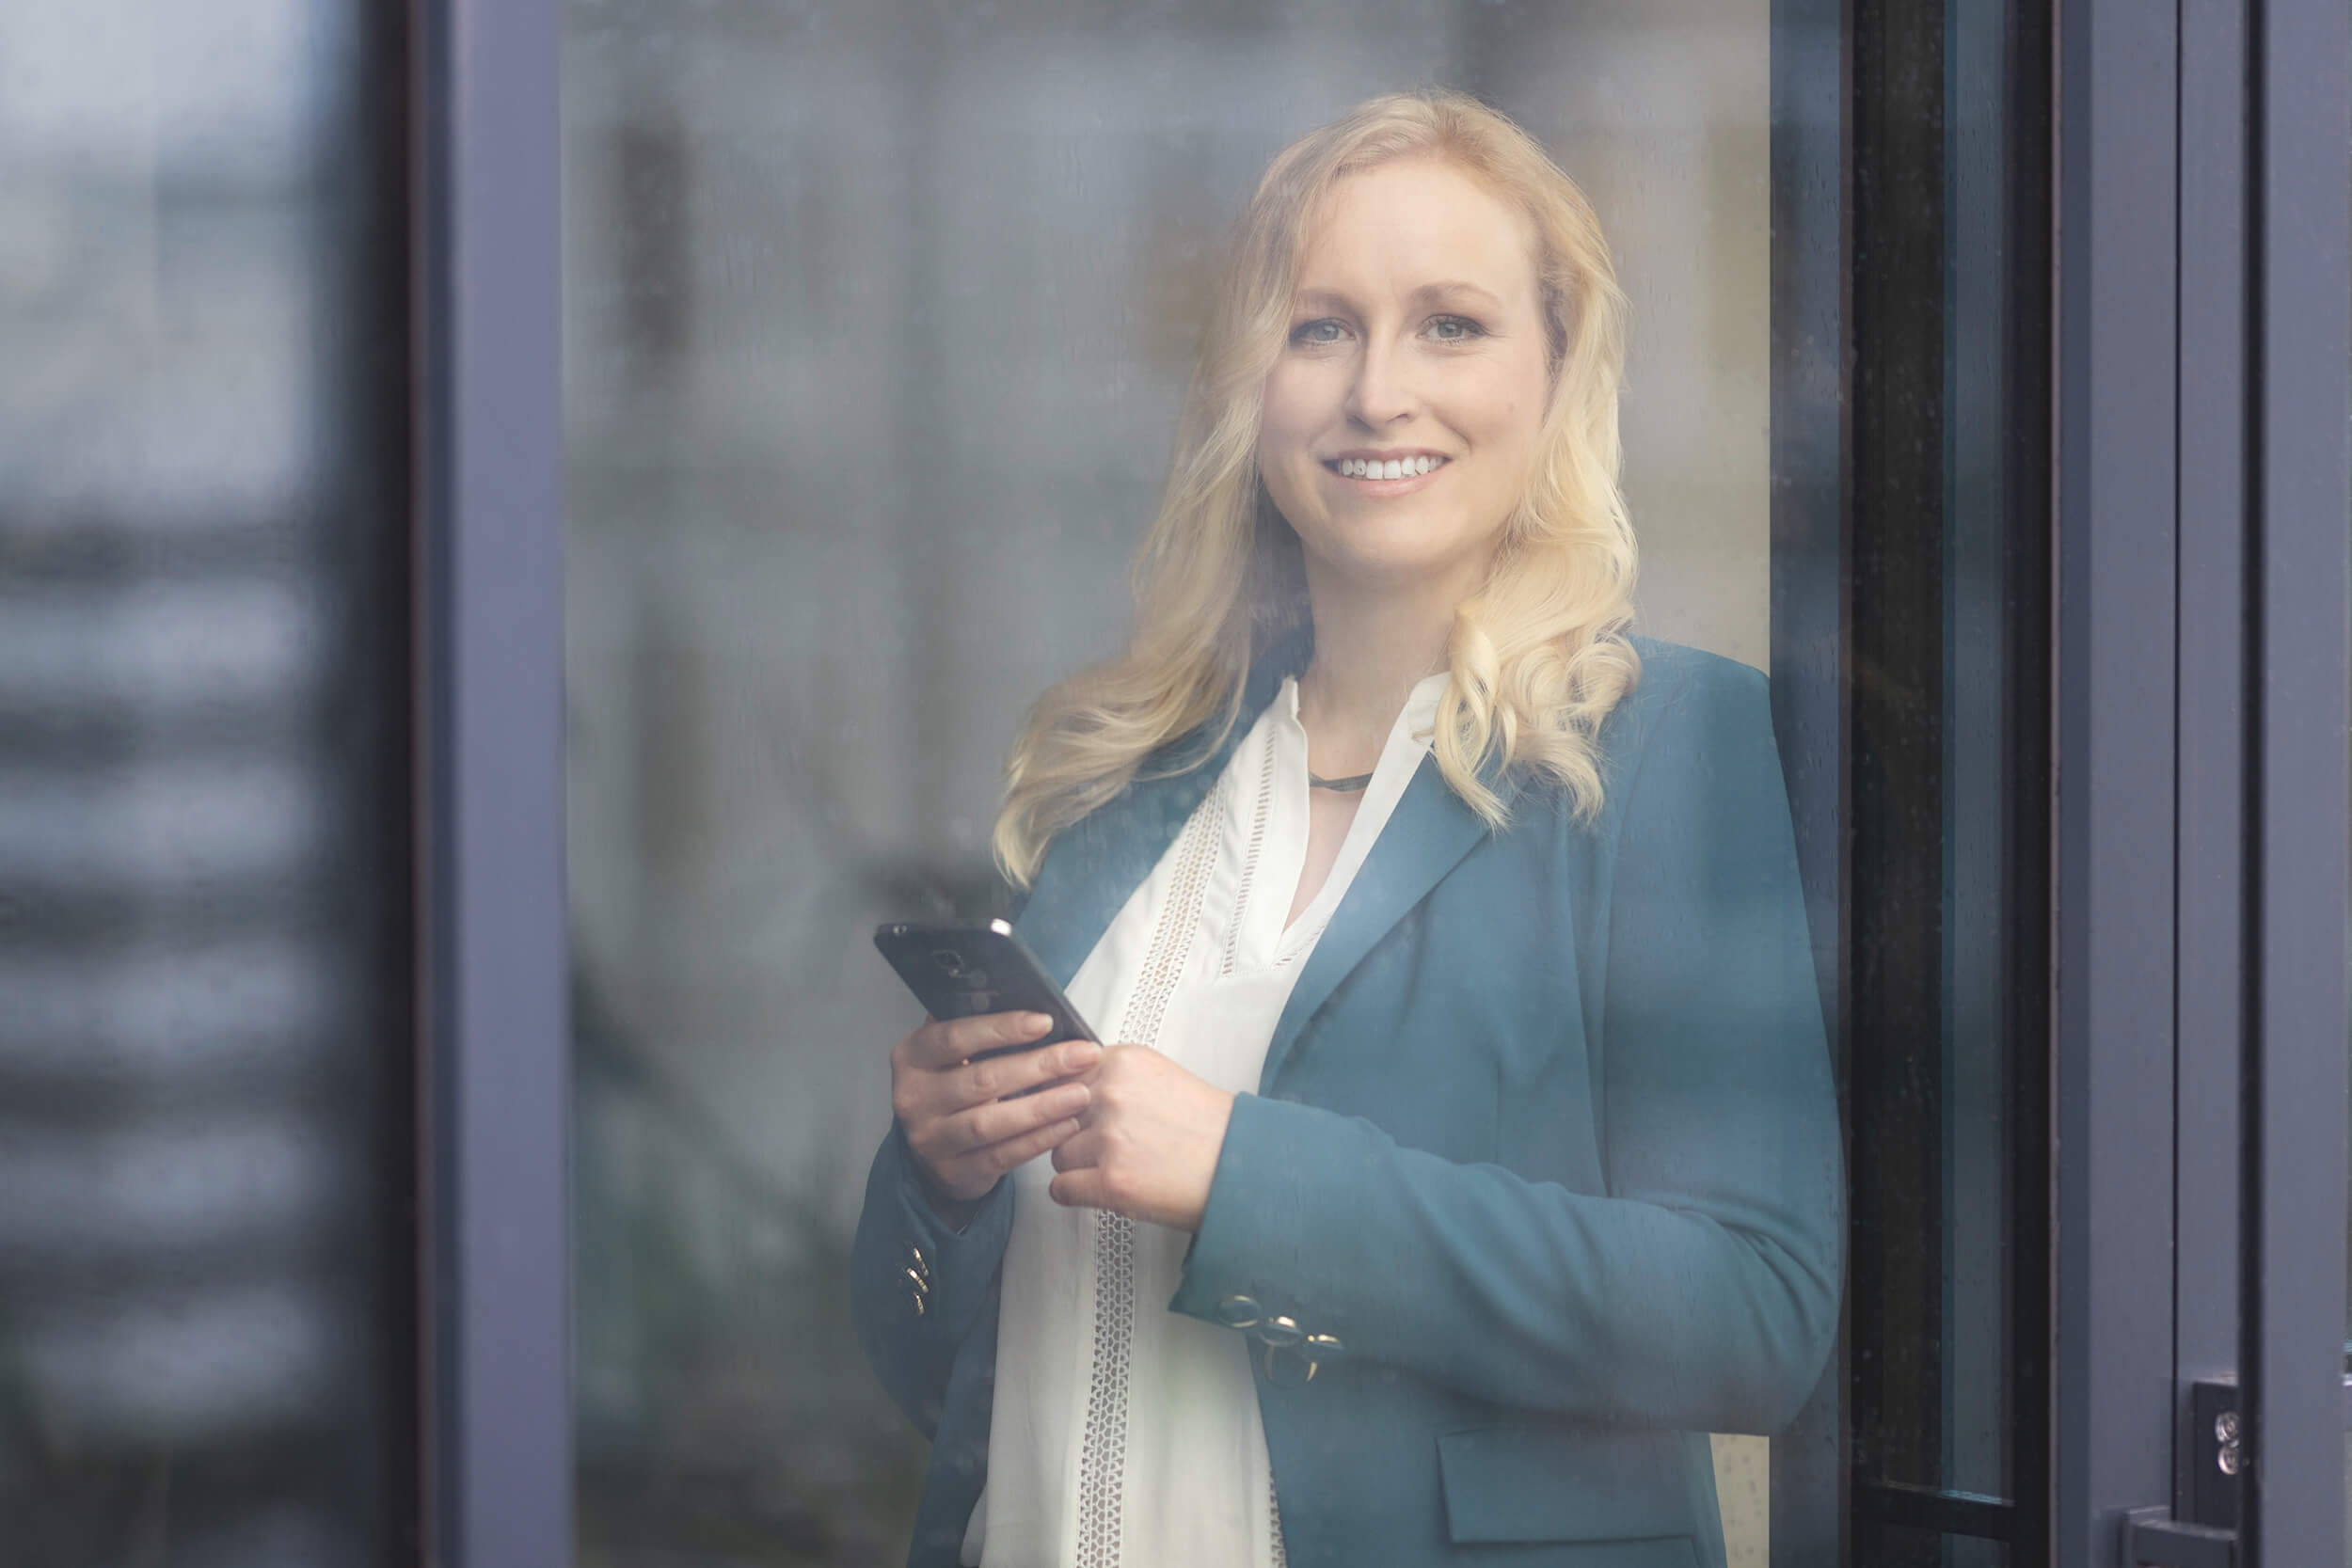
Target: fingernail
x: 1037, y: 1024
x: 1080, y: 1053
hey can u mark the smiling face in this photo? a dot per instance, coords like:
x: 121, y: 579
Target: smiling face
x: 1401, y: 418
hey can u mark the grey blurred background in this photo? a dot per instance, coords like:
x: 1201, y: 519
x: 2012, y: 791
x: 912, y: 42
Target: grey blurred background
x: 203, y: 867
x: 877, y: 320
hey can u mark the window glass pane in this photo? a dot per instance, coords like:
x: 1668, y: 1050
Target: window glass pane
x: 205, y: 1281
x: 1890, y: 1543
x: 1947, y: 963
x: 880, y: 330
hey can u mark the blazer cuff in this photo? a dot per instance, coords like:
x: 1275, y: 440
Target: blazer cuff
x: 1242, y: 1263
x: 956, y: 1269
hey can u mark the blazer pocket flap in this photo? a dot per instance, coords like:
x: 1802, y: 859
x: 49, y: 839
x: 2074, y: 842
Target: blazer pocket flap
x: 1530, y: 1482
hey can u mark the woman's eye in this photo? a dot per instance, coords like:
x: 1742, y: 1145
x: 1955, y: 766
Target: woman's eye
x: 1324, y: 331
x: 1456, y: 329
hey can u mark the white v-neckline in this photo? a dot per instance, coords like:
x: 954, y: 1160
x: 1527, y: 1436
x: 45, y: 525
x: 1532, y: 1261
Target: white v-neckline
x: 1287, y: 833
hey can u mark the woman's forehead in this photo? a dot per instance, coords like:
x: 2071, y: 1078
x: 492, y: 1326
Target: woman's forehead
x: 1411, y: 225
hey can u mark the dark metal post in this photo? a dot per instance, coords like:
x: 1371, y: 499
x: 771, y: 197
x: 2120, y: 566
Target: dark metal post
x: 2299, y: 573
x: 1811, y: 646
x: 495, y: 1080
x: 2210, y: 669
x: 2114, y: 697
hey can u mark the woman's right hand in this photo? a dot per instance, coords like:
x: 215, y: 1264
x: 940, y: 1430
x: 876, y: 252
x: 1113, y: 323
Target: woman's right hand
x: 964, y: 1132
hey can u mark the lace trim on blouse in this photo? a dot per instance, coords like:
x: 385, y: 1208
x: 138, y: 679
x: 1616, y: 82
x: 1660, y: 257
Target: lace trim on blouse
x: 1102, y: 1452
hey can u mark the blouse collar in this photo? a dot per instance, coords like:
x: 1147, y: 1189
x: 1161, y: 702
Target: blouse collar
x: 1419, y: 717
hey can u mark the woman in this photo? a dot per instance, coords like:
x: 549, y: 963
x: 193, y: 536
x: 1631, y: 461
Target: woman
x: 1467, y: 1150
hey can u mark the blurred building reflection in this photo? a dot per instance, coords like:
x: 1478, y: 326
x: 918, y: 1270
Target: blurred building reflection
x: 199, y: 874
x: 877, y: 319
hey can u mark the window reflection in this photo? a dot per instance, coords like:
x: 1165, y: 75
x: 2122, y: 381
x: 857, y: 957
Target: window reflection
x: 204, y: 1285
x: 876, y: 336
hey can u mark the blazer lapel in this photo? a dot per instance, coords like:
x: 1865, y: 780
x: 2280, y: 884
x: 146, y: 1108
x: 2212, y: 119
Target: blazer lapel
x: 1098, y: 860
x: 1425, y: 836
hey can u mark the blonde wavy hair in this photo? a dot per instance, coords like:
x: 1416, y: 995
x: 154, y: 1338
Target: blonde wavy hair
x: 1537, y: 654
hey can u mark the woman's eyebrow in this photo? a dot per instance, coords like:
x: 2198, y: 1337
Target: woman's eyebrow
x: 1454, y: 288
x: 1428, y: 294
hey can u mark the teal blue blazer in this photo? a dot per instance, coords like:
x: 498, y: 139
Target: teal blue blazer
x: 1542, y: 1180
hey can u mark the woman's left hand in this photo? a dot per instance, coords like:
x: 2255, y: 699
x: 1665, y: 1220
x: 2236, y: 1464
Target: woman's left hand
x: 1147, y: 1142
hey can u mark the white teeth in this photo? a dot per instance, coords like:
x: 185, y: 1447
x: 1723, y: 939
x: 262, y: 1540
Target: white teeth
x: 1393, y: 467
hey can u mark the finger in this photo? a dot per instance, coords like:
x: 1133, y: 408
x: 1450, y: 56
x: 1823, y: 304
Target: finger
x: 978, y: 1082
x: 999, y: 1119
x: 1080, y: 1189
x: 1003, y: 1156
x: 1081, y: 1153
x: 948, y: 1042
x: 940, y: 1108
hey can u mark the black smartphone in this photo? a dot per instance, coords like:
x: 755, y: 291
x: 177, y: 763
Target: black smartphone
x: 962, y: 967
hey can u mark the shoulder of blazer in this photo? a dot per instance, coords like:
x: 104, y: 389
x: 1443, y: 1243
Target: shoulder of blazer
x: 1671, y: 673
x: 1674, y: 673
x: 1674, y: 676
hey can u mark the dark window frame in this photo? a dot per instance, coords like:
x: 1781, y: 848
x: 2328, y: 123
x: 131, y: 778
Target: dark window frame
x: 494, y: 1051
x: 2130, y: 466
x: 1860, y: 442
x: 2202, y: 366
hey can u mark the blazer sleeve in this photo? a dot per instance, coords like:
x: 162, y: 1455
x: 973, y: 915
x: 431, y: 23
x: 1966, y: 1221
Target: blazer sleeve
x: 917, y: 1286
x: 1701, y: 1291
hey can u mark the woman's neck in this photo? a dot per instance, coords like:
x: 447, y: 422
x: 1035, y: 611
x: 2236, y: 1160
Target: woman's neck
x: 1371, y: 650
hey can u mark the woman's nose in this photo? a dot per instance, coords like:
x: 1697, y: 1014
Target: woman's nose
x: 1380, y: 393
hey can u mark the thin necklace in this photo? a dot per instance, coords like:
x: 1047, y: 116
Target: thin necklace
x: 1347, y: 785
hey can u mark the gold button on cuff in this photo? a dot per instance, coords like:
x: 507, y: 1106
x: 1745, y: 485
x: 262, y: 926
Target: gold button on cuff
x: 1288, y: 1367
x: 1280, y: 1332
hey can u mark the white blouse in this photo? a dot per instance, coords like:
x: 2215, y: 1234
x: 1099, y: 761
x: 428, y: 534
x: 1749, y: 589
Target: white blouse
x: 1124, y: 1436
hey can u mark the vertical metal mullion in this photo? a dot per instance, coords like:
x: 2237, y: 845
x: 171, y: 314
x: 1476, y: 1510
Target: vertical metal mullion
x: 1811, y: 631
x: 2025, y: 834
x: 2208, y: 666
x: 495, y: 1053
x: 1897, y: 738
x: 2298, y: 567
x: 2114, y: 742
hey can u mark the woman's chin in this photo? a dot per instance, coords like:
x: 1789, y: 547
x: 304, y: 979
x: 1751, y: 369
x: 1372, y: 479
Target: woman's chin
x: 1366, y: 560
